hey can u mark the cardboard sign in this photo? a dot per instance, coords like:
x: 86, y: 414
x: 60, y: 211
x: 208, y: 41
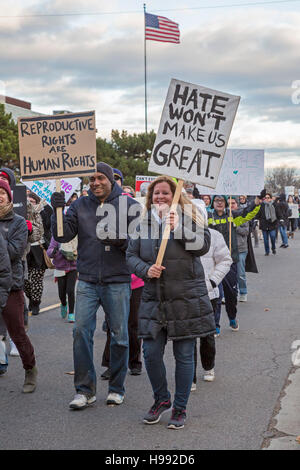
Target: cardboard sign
x: 45, y: 188
x: 242, y: 173
x: 20, y: 200
x: 142, y: 183
x: 193, y: 133
x: 295, y: 211
x: 56, y: 146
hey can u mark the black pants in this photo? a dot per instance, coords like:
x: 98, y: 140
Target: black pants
x: 134, y: 342
x: 207, y: 349
x: 66, y: 287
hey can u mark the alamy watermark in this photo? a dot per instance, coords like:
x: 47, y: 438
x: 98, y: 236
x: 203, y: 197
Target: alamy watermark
x: 296, y: 93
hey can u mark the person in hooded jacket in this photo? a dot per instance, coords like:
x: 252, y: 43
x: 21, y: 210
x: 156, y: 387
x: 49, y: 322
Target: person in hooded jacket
x: 101, y: 221
x: 216, y: 264
x: 5, y: 286
x: 219, y: 219
x: 14, y: 231
x: 175, y: 304
x: 283, y: 212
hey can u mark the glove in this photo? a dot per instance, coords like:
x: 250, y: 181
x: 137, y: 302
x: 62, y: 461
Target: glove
x: 29, y: 226
x: 262, y: 194
x: 58, y: 200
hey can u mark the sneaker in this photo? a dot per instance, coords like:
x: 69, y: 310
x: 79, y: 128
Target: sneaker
x: 106, y: 374
x: 234, y: 325
x: 13, y: 349
x: 193, y: 387
x: 135, y: 371
x: 274, y: 252
x: 177, y: 420
x: 114, y: 399
x: 209, y: 375
x: 63, y: 310
x: 266, y: 254
x: 81, y: 401
x: 156, y: 411
x: 218, y: 332
x: 243, y: 298
x: 71, y: 317
x: 285, y: 246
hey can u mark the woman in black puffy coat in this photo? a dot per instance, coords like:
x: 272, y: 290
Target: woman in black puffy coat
x: 175, y: 303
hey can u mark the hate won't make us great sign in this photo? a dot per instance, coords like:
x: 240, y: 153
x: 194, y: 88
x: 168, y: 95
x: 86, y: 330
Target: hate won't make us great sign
x: 193, y: 133
x: 60, y: 145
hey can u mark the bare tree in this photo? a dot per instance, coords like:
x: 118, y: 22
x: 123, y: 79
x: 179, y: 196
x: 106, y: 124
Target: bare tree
x: 277, y: 178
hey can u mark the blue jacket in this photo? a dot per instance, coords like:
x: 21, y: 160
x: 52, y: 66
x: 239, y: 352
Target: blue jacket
x: 99, y: 261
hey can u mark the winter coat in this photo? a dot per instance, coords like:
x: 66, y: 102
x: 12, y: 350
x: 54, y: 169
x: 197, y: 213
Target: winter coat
x: 242, y: 233
x: 283, y: 210
x: 35, y: 257
x: 239, y: 217
x: 5, y: 274
x: 98, y: 261
x: 59, y: 261
x: 14, y: 231
x: 216, y: 263
x: 265, y: 224
x: 178, y: 301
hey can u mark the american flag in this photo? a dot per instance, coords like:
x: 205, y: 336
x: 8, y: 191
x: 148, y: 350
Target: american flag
x: 159, y: 28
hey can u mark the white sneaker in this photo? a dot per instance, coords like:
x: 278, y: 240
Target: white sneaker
x: 114, y: 399
x: 193, y: 387
x: 13, y: 349
x: 209, y: 375
x: 243, y: 298
x: 81, y: 401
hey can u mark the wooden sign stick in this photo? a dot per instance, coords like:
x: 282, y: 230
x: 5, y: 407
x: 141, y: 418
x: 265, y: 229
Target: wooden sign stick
x: 167, y: 230
x: 59, y: 215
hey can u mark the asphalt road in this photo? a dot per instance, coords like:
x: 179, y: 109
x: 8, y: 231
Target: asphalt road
x: 237, y: 411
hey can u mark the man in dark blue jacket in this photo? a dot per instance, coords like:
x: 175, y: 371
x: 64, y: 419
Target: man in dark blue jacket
x: 101, y: 223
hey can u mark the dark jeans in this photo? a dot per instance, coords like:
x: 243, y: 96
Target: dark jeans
x: 114, y: 298
x: 134, y: 342
x: 66, y: 287
x: 228, y: 288
x: 272, y: 235
x: 183, y: 351
x: 13, y: 315
x: 207, y: 349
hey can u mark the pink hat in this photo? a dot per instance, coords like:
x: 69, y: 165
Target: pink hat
x: 4, y: 185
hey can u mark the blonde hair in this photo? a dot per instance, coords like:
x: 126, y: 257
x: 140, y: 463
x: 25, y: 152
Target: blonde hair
x: 184, y: 202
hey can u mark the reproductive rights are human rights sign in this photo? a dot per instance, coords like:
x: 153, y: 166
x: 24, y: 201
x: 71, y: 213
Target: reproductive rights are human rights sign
x: 193, y: 133
x: 56, y: 146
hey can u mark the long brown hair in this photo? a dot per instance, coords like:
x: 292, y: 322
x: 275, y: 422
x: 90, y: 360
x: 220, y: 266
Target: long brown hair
x: 184, y: 202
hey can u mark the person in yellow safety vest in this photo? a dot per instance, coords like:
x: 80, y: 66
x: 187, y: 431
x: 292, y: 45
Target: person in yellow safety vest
x: 220, y: 219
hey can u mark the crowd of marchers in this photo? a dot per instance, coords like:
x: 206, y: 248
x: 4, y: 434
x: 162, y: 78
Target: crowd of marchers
x: 146, y: 303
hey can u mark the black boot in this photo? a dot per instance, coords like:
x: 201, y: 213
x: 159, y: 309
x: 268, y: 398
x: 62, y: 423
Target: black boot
x: 35, y: 308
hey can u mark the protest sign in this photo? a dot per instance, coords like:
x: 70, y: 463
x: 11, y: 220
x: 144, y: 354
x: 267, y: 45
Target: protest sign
x: 56, y: 146
x: 295, y: 211
x: 45, y: 188
x: 242, y: 172
x: 20, y: 200
x: 193, y: 133
x: 142, y: 183
x: 289, y: 190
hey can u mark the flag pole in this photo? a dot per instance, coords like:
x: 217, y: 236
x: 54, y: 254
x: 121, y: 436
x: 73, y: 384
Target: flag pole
x: 145, y: 66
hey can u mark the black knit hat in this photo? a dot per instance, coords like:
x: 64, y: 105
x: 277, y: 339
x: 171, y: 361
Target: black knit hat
x: 106, y: 170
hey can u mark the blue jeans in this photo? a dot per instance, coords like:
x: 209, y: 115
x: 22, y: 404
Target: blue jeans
x: 272, y: 235
x: 115, y: 299
x: 241, y: 273
x: 283, y: 234
x: 183, y: 351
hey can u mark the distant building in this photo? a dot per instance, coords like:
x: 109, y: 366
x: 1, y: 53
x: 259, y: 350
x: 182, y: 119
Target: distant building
x: 17, y: 108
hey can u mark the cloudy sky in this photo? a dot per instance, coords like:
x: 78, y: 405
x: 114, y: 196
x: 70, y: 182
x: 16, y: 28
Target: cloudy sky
x: 83, y: 55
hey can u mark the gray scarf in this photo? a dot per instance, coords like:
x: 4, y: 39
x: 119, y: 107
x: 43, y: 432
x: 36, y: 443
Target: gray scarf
x: 270, y: 211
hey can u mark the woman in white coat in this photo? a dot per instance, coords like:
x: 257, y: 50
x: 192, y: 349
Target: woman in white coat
x: 216, y: 264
